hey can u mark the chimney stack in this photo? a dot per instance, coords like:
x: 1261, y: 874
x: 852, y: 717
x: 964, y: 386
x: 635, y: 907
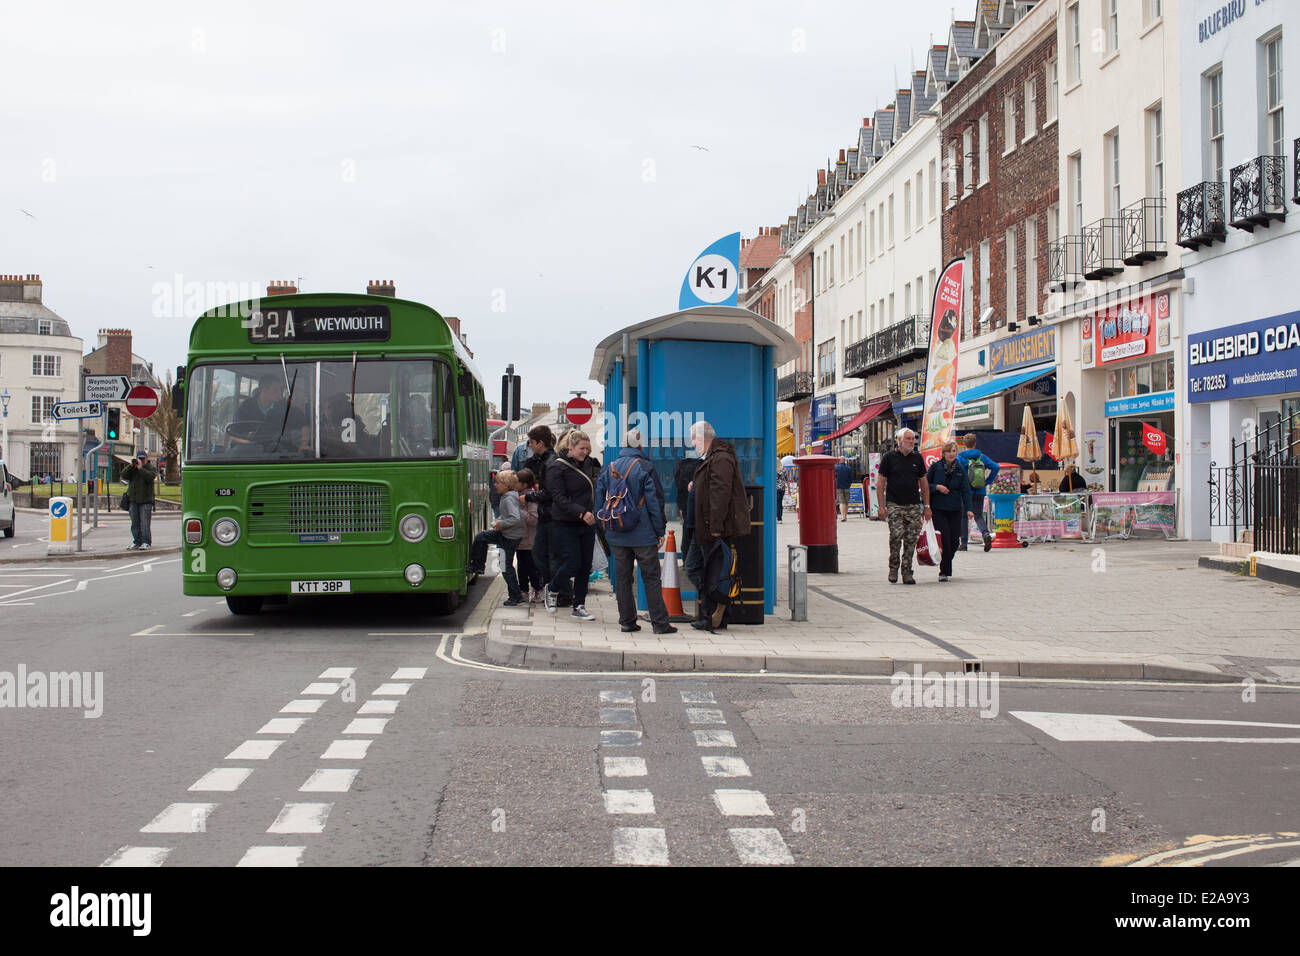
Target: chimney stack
x: 382, y: 287
x: 117, y: 360
x: 281, y: 288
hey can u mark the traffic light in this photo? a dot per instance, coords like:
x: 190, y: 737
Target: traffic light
x: 510, y: 388
x: 114, y: 423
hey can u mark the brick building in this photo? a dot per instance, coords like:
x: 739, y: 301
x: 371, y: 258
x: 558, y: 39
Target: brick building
x: 999, y: 147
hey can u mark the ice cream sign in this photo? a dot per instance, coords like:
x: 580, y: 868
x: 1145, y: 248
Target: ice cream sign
x: 1129, y: 331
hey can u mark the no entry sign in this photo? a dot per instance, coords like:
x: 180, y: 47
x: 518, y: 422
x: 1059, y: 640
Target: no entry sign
x: 578, y: 411
x: 142, y: 401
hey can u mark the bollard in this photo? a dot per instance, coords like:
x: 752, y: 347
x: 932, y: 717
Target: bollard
x: 61, y: 518
x: 798, y: 582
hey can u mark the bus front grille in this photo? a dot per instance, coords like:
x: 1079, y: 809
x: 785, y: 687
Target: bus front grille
x: 351, y: 507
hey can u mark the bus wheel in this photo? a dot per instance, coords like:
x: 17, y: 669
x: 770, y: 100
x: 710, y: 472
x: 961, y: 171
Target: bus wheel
x: 243, y: 605
x: 445, y: 603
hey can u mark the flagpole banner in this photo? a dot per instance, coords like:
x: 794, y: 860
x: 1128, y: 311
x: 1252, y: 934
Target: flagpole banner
x: 714, y: 276
x: 941, y: 368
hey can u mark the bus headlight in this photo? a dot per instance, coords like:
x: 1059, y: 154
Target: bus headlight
x: 413, y: 528
x: 226, y: 578
x: 225, y: 531
x: 414, y: 574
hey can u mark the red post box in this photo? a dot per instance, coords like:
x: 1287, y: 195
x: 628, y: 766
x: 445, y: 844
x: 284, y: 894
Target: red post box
x: 817, y: 512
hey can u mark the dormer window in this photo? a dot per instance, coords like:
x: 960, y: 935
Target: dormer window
x: 44, y: 326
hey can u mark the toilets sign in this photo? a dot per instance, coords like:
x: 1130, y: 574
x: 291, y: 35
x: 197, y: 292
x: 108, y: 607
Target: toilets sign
x: 1240, y: 361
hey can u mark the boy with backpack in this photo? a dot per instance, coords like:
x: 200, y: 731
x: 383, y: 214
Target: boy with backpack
x: 629, y: 503
x: 980, y: 472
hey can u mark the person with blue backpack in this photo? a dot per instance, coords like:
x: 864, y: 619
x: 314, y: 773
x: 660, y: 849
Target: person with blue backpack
x: 630, y: 510
x: 980, y: 472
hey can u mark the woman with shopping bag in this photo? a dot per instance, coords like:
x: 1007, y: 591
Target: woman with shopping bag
x: 950, y: 497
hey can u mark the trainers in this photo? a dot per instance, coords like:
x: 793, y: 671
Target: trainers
x: 549, y: 597
x: 145, y: 547
x: 988, y: 542
x: 666, y: 629
x: 893, y: 575
x: 581, y: 613
x: 132, y: 547
x: 943, y: 577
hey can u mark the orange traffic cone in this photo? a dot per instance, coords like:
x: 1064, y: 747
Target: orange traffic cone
x: 671, y: 589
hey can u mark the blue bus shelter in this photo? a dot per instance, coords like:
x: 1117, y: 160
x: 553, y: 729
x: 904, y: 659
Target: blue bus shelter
x: 711, y: 363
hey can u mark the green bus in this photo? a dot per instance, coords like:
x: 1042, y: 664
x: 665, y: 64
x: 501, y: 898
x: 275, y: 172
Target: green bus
x: 334, y: 444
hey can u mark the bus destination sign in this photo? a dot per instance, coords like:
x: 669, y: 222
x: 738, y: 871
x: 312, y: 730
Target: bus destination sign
x: 319, y: 324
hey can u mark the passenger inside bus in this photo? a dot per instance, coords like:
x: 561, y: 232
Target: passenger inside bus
x: 342, y: 432
x: 415, y: 438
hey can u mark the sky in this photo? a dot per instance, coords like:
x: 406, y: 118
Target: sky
x: 528, y: 167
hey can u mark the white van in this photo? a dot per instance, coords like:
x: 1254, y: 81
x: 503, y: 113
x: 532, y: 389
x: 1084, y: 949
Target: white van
x: 7, y: 511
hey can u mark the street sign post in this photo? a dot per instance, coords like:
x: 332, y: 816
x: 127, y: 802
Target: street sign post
x: 578, y: 411
x: 142, y: 401
x: 64, y: 410
x: 107, y: 388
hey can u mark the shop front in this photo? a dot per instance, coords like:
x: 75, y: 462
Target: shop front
x: 822, y: 419
x: 1128, y: 361
x: 908, y: 395
x: 1022, y: 373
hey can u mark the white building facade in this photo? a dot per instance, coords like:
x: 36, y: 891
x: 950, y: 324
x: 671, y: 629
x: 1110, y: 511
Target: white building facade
x: 1237, y: 217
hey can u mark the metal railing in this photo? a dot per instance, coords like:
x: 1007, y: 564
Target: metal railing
x: 1259, y: 192
x: 1259, y: 489
x: 892, y: 345
x: 1101, y: 249
x: 1064, y: 263
x: 1200, y: 215
x: 792, y: 387
x: 1142, y: 229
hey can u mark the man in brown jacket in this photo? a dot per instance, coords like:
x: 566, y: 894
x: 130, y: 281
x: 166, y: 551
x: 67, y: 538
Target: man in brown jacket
x: 721, y: 514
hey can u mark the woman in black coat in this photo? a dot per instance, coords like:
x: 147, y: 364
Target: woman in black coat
x: 950, y: 495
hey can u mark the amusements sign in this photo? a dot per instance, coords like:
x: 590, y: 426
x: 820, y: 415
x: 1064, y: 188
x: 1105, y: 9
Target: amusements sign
x: 941, y: 367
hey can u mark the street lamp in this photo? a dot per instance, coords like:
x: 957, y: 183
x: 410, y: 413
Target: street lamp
x: 4, y: 400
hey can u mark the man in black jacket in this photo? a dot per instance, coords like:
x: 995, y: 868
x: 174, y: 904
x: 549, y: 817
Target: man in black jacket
x: 541, y: 442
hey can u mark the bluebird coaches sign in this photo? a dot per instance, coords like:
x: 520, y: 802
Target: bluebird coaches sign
x: 370, y: 323
x: 1253, y: 358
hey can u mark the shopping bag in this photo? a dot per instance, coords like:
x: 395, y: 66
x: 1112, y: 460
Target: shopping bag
x: 929, y: 545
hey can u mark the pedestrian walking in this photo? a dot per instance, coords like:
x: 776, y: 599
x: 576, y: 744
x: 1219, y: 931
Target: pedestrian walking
x: 542, y: 442
x: 782, y: 486
x: 721, y: 515
x: 950, y: 499
x: 505, y: 533
x: 140, y: 476
x: 630, y: 509
x: 980, y: 472
x: 530, y: 578
x: 843, y: 484
x: 903, y: 496
x: 573, y: 524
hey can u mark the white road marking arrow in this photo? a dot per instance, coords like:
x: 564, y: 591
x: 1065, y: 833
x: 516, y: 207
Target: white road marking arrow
x: 1114, y: 728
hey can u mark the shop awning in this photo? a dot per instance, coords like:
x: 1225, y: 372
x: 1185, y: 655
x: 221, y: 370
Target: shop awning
x: 858, y: 420
x: 1004, y: 382
x: 784, y: 442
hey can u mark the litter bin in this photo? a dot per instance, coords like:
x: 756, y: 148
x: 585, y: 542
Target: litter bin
x: 748, y: 608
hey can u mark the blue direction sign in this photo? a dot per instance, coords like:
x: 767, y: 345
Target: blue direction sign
x: 64, y: 410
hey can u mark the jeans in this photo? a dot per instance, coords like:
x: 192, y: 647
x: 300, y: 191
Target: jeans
x: 141, y: 517
x: 977, y: 506
x: 529, y: 576
x: 478, y: 558
x: 948, y: 524
x: 573, y: 542
x: 546, y: 553
x: 646, y: 558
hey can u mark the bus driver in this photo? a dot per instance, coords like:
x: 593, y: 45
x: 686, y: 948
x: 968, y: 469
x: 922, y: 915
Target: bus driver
x: 262, y: 419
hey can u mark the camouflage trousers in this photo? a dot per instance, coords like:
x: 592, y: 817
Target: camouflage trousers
x: 904, y: 529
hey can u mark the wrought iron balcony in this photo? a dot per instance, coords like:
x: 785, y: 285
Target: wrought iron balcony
x: 795, y: 386
x: 1064, y: 263
x: 1259, y: 192
x: 1101, y: 249
x: 893, y: 345
x: 1143, y: 231
x: 1200, y: 215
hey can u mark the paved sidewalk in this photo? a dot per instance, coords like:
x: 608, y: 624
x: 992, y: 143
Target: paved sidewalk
x: 110, y: 539
x: 1138, y: 609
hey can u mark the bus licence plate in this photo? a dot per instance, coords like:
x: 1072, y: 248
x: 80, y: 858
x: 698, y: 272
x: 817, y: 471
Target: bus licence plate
x: 320, y: 587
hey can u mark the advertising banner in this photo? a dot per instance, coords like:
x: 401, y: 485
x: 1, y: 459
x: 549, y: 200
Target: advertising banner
x: 873, y: 471
x: 941, y: 366
x: 1050, y: 516
x: 1240, y: 361
x: 1029, y: 348
x: 1133, y: 330
x: 856, y: 503
x: 1117, y: 514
